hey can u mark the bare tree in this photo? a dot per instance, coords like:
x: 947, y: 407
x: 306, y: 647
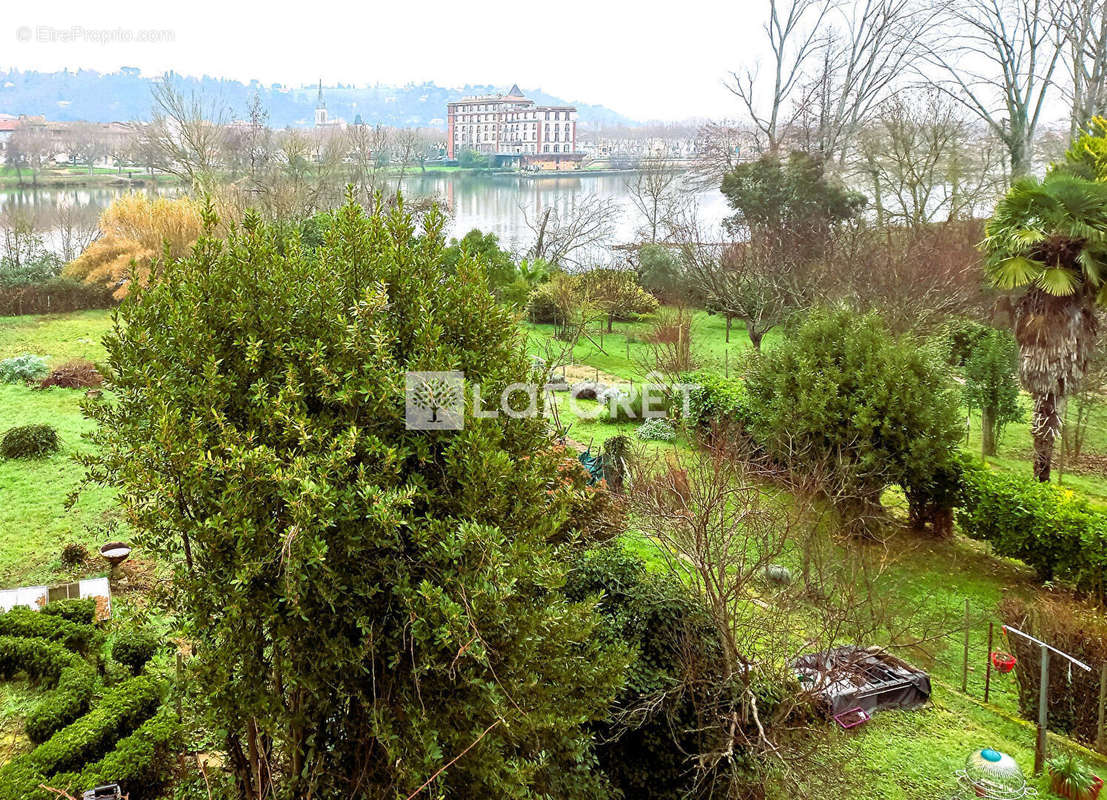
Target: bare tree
x: 774, y: 587
x: 793, y: 31
x: 653, y: 193
x: 920, y: 161
x: 1000, y: 64
x: 31, y: 146
x: 1084, y: 28
x: 860, y: 60
x: 188, y: 134
x: 718, y: 150
x: 575, y: 235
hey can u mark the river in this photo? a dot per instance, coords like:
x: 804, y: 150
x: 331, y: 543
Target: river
x: 497, y: 203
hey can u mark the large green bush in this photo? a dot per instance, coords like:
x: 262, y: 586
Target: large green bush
x: 1050, y: 528
x: 376, y: 598
x: 841, y: 397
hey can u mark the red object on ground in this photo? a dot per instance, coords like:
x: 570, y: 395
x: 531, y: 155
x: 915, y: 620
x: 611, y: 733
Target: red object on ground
x: 852, y: 718
x: 1003, y: 662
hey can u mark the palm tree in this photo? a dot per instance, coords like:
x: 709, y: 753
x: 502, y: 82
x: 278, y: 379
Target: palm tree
x: 1049, y: 238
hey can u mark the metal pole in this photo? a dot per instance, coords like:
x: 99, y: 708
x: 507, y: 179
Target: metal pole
x: 965, y: 662
x: 1043, y: 713
x: 1102, y: 702
x: 988, y: 662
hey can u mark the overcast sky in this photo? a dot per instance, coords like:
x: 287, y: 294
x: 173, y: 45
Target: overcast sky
x: 647, y: 66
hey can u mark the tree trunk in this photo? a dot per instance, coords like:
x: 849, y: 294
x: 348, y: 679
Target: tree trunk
x: 988, y: 431
x: 755, y: 336
x: 1044, y: 430
x: 728, y: 328
x: 610, y: 319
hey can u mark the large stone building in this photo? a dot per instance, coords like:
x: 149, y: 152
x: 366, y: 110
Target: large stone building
x: 509, y: 125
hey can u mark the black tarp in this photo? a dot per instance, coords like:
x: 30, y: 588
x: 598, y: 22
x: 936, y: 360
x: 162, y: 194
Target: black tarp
x: 857, y: 677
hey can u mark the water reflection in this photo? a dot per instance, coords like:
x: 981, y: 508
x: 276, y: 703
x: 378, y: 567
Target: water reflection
x: 501, y: 204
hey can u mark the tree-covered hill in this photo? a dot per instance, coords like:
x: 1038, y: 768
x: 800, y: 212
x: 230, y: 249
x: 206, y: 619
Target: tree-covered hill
x: 125, y: 95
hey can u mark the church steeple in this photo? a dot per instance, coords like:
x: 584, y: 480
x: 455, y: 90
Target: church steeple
x: 320, y: 107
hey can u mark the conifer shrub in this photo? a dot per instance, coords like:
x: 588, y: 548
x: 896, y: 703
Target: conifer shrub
x: 30, y: 441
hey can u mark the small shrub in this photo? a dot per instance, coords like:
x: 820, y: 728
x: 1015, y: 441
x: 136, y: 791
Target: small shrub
x: 30, y: 441
x: 587, y: 390
x: 716, y: 400
x: 22, y: 369
x: 74, y: 554
x: 134, y: 648
x: 634, y: 408
x: 75, y: 374
x: 82, y: 610
x: 656, y: 430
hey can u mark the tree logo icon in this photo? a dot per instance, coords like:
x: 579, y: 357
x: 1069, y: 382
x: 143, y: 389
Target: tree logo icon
x: 435, y: 401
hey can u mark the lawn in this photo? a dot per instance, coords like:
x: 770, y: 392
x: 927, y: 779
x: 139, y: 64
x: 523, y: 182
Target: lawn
x: 34, y: 524
x: 909, y: 755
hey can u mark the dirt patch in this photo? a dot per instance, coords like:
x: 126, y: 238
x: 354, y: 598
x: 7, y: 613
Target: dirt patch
x: 575, y: 373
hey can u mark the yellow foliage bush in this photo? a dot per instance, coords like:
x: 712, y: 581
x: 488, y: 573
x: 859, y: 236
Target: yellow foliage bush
x: 134, y: 230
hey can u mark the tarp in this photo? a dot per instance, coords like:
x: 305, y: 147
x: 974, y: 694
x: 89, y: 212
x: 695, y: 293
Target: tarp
x: 857, y: 677
x: 594, y: 465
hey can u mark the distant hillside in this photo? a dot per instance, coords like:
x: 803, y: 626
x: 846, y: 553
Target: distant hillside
x: 125, y: 96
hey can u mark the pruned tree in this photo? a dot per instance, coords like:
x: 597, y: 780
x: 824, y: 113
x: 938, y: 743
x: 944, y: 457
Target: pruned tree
x: 1001, y: 66
x: 617, y: 293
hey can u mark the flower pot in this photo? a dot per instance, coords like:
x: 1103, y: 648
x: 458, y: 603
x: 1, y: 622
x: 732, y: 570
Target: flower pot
x: 1058, y: 787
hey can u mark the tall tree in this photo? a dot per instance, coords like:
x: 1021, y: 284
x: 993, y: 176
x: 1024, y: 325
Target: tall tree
x: 1084, y: 28
x: 1001, y: 66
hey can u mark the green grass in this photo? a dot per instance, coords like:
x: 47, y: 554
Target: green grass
x: 908, y: 755
x: 34, y: 525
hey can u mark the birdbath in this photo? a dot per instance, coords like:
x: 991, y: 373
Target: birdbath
x: 115, y: 553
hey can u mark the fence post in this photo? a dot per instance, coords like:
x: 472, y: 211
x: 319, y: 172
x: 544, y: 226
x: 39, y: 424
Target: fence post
x: 988, y: 662
x: 1043, y: 713
x: 1102, y: 702
x: 965, y: 663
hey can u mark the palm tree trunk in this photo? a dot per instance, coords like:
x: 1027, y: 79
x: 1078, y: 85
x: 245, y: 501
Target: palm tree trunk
x: 1046, y: 425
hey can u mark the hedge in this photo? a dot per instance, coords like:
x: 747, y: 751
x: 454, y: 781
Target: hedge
x: 56, y: 295
x: 82, y: 611
x: 25, y: 623
x: 139, y: 763
x: 1046, y: 526
x: 123, y: 708
x: 65, y: 704
x: 73, y: 680
x: 134, y: 649
x: 41, y: 660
